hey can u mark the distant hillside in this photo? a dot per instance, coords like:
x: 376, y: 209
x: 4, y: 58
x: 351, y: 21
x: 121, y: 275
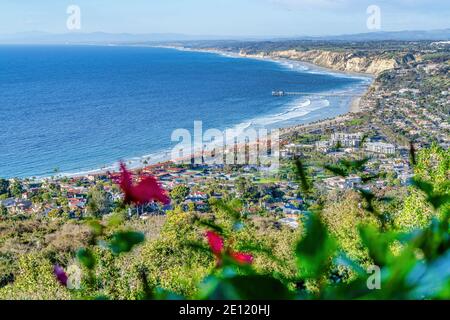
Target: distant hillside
x: 98, y: 37
x: 102, y: 37
x: 433, y: 35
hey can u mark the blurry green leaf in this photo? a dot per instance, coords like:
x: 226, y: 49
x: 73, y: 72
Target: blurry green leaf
x: 377, y: 244
x: 337, y: 170
x: 439, y: 200
x: 412, y: 154
x: 354, y: 165
x: 162, y: 294
x: 445, y: 292
x: 423, y: 186
x: 356, y: 289
x: 386, y: 199
x: 364, y: 139
x: 209, y: 225
x: 147, y: 293
x: 344, y: 260
x: 435, y: 199
x: 86, y: 258
x: 433, y: 240
x: 251, y: 287
x: 345, y: 167
x: 125, y: 241
x: 315, y: 249
x: 301, y: 176
x: 429, y: 279
x: 369, y: 177
x: 368, y: 197
x: 229, y: 210
x: 404, y: 268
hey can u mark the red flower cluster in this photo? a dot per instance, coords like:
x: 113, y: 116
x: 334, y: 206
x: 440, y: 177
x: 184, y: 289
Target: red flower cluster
x: 147, y: 190
x: 216, y: 245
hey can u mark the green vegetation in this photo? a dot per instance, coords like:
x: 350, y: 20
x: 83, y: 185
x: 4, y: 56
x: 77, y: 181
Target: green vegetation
x: 356, y: 122
x: 327, y: 257
x: 179, y: 193
x: 433, y: 168
x: 98, y: 202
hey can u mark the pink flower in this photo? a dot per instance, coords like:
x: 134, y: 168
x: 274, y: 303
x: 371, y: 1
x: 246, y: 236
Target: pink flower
x: 60, y: 275
x: 147, y: 190
x: 216, y: 244
x: 242, y: 258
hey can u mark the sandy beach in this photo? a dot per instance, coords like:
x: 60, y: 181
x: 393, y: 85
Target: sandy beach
x: 354, y: 107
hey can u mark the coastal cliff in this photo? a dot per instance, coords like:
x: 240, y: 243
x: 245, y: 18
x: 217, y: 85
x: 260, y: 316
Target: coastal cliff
x: 341, y: 61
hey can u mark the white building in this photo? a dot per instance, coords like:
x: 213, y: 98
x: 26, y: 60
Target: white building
x: 380, y: 147
x: 349, y: 140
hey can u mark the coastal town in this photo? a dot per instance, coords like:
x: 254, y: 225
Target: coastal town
x: 184, y: 153
x: 407, y: 104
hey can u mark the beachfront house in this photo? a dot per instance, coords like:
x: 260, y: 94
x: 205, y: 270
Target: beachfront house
x: 16, y: 205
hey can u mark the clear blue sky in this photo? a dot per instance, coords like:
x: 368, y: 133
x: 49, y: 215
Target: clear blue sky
x: 224, y: 17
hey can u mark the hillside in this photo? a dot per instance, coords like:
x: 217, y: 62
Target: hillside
x: 338, y: 60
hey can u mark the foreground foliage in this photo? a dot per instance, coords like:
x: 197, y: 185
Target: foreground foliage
x: 347, y: 249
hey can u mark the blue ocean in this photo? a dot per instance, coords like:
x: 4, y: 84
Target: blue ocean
x: 73, y: 109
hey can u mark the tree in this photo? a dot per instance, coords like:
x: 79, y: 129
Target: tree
x: 4, y: 186
x: 179, y: 193
x: 246, y: 189
x: 432, y: 167
x: 416, y: 212
x: 192, y: 207
x: 16, y: 189
x: 54, y: 213
x: 99, y: 202
x: 271, y: 190
x: 342, y: 215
